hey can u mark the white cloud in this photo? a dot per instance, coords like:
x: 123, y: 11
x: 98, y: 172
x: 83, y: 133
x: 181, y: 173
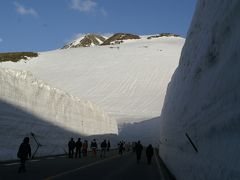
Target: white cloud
x: 1, y: 40
x: 103, y: 12
x: 25, y: 11
x: 77, y: 36
x: 74, y: 37
x: 107, y: 35
x: 83, y: 5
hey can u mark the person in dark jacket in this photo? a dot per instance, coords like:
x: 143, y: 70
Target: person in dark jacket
x: 138, y: 149
x: 120, y: 147
x: 149, y: 153
x: 94, y: 147
x: 71, y: 146
x: 24, y: 152
x: 78, y: 146
x: 103, y: 149
x: 108, y: 145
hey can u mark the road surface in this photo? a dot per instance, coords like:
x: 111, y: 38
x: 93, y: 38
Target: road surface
x: 113, y: 167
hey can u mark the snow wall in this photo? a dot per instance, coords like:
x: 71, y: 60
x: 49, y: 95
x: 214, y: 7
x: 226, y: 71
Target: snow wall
x: 29, y: 107
x: 203, y: 98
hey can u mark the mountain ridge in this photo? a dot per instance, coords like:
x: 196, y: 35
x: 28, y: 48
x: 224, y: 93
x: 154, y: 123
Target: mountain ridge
x: 90, y: 40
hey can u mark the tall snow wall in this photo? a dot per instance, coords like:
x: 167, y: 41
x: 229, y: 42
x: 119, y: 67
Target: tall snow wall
x: 29, y: 107
x: 200, y: 120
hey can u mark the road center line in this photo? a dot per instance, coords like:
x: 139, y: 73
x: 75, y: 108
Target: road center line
x: 11, y: 164
x: 17, y: 163
x: 80, y: 168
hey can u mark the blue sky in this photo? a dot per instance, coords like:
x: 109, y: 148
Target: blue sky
x: 40, y: 25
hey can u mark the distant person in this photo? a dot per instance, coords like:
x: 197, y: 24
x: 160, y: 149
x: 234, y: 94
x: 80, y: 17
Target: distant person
x: 124, y: 146
x: 120, y: 148
x: 94, y: 147
x: 103, y: 149
x: 128, y: 145
x: 71, y: 146
x: 108, y: 145
x: 149, y: 153
x: 84, y: 148
x: 24, y: 152
x: 138, y: 149
x: 78, y: 146
x: 133, y: 146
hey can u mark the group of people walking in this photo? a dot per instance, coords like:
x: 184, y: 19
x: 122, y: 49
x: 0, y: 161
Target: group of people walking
x: 83, y: 148
x: 138, y: 148
x: 79, y: 146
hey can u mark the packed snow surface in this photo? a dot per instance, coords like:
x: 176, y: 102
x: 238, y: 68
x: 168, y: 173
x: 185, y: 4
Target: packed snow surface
x: 203, y: 98
x: 128, y: 80
x: 28, y: 105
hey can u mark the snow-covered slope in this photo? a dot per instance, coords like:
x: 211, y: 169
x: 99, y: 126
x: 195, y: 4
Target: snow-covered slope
x: 203, y: 98
x: 128, y: 80
x: 29, y: 105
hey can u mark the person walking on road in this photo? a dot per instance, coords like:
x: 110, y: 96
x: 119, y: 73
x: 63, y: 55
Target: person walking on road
x: 71, y: 146
x: 78, y: 146
x: 94, y: 147
x: 24, y: 152
x: 120, y: 148
x: 149, y: 153
x: 108, y: 145
x: 103, y: 149
x: 138, y: 149
x: 85, y: 147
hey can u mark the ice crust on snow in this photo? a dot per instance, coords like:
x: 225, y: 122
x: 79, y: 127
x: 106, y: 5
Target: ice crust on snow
x: 203, y: 98
x: 28, y: 105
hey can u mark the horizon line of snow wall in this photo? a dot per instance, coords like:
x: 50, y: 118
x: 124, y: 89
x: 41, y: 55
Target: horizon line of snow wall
x: 203, y: 98
x: 28, y: 105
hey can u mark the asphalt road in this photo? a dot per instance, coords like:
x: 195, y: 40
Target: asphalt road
x: 114, y: 167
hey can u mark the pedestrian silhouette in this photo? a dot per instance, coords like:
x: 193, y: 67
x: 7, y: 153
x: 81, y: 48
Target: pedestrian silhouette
x: 103, y: 148
x: 24, y: 152
x: 78, y: 146
x: 71, y: 146
x: 134, y: 146
x: 138, y: 149
x: 120, y: 147
x: 84, y: 148
x: 108, y: 145
x: 149, y: 153
x: 94, y: 147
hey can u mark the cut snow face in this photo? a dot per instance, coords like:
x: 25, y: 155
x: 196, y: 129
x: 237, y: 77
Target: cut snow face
x: 200, y: 120
x: 28, y: 106
x: 128, y: 80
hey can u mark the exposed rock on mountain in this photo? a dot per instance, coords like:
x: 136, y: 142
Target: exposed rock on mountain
x: 119, y: 37
x: 17, y: 56
x: 163, y: 35
x: 86, y: 41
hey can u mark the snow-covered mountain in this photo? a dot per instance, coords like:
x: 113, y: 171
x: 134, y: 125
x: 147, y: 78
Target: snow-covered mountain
x: 127, y: 80
x: 28, y: 105
x: 86, y: 41
x: 203, y: 98
x: 97, y: 40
